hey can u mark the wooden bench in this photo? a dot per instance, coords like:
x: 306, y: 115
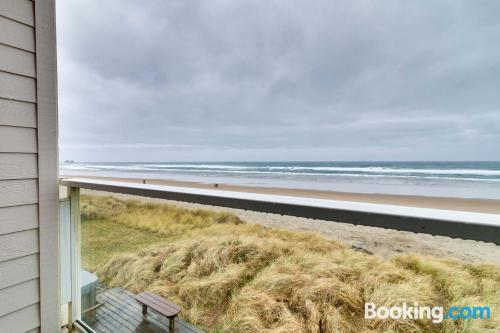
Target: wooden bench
x: 160, y: 305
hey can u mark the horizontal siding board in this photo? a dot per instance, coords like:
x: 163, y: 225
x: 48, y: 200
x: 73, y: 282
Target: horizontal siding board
x: 20, y: 296
x: 23, y: 320
x: 17, y: 87
x: 15, y: 113
x: 17, y: 34
x: 18, y: 166
x: 19, y: 270
x: 19, y: 10
x: 18, y: 244
x: 18, y: 218
x: 18, y: 192
x: 18, y: 140
x: 17, y: 61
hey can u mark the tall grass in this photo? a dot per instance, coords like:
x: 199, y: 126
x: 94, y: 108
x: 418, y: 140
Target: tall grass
x: 231, y: 276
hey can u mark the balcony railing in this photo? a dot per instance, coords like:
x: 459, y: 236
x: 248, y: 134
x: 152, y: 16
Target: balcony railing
x: 455, y: 224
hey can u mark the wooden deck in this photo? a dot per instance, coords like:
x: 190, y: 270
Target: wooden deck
x: 120, y: 312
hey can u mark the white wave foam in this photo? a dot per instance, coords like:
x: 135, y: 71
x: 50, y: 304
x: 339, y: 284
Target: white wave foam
x: 375, y: 172
x: 208, y: 167
x: 197, y: 166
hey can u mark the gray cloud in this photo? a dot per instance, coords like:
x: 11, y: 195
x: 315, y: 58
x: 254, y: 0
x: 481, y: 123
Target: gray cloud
x: 278, y: 80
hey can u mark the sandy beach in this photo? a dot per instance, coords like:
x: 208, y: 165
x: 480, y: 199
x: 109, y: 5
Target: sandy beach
x: 382, y: 242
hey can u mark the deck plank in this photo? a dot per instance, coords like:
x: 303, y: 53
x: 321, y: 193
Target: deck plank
x: 153, y: 321
x: 132, y: 319
x: 120, y: 312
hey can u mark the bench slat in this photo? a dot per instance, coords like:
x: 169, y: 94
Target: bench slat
x: 163, y: 300
x: 153, y: 306
x: 164, y: 311
x: 158, y: 304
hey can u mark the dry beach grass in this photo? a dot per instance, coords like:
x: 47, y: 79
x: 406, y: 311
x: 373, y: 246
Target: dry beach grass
x: 232, y: 276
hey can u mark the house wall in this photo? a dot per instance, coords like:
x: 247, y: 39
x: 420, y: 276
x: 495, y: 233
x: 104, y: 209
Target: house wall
x: 29, y: 272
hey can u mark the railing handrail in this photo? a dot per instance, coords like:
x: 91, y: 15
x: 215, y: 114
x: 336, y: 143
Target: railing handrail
x: 450, y: 223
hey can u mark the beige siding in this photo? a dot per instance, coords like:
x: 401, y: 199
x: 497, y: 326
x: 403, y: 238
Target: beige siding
x: 18, y: 244
x: 20, y: 88
x: 19, y: 270
x: 35, y: 330
x: 18, y: 10
x: 21, y: 264
x: 17, y: 61
x: 17, y: 140
x: 18, y: 192
x: 23, y: 320
x: 16, y: 113
x: 18, y: 166
x: 21, y: 295
x: 17, y: 34
x: 18, y: 218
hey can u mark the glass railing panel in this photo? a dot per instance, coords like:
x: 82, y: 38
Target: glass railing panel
x: 233, y: 270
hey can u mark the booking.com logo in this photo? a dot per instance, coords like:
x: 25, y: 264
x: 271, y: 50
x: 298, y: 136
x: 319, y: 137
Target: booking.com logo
x: 436, y: 313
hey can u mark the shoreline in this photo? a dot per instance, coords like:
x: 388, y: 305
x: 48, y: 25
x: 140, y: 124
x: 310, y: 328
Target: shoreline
x: 490, y: 206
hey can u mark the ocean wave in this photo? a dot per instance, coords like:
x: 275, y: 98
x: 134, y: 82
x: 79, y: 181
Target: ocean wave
x: 197, y: 166
x: 316, y: 170
x: 354, y: 175
x: 479, y: 172
x: 294, y: 172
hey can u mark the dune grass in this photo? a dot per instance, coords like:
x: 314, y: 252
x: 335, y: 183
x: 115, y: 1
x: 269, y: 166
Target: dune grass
x: 231, y: 276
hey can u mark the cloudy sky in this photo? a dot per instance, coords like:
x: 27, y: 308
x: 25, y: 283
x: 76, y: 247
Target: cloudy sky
x: 213, y: 80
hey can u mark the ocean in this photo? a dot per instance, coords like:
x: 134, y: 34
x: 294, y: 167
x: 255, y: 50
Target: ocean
x: 445, y: 179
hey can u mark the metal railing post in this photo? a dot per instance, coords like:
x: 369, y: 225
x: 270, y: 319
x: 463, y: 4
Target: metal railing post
x: 75, y: 305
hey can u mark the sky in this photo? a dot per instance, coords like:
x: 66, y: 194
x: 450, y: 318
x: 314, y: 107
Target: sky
x: 184, y: 80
